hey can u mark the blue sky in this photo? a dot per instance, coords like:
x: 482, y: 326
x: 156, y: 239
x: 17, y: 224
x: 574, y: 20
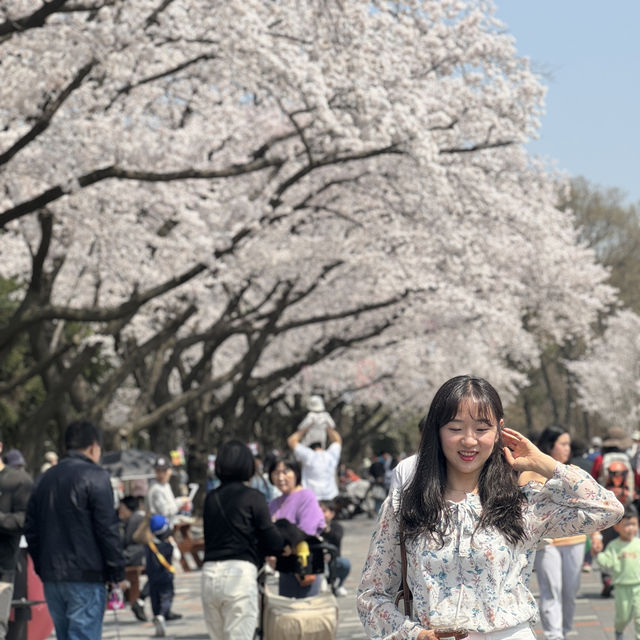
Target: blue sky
x: 589, y: 53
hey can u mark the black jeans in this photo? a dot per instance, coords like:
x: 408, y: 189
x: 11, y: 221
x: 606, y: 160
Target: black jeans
x: 161, y: 597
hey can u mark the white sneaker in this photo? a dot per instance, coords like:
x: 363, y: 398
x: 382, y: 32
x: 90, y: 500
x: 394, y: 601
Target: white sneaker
x: 161, y: 627
x: 341, y: 592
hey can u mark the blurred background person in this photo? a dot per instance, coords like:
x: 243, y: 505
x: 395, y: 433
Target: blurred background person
x: 238, y: 533
x: 333, y: 533
x: 319, y: 465
x: 160, y: 498
x: 299, y: 506
x: 131, y: 514
x: 15, y: 489
x: 50, y: 460
x: 559, y: 564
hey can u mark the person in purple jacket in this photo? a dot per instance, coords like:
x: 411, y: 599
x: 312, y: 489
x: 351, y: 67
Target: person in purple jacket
x: 299, y: 506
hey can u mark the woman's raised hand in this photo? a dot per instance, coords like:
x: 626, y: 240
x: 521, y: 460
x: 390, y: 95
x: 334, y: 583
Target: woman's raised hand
x: 523, y: 455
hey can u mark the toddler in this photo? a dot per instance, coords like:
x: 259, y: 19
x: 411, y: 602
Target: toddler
x: 622, y: 558
x: 162, y: 552
x: 333, y: 533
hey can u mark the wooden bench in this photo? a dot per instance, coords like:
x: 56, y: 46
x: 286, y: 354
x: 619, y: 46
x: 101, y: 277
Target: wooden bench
x: 187, y: 544
x: 192, y: 547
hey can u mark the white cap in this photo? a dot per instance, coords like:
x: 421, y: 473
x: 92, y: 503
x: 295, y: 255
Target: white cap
x: 315, y: 403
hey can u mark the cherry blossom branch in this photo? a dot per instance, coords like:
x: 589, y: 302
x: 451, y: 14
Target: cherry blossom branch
x: 337, y: 182
x: 340, y: 315
x: 32, y: 316
x: 483, y: 146
x: 332, y: 159
x: 33, y: 20
x: 108, y: 388
x: 299, y: 130
x: 126, y: 89
x: 98, y: 175
x: 153, y: 16
x: 318, y: 352
x: 48, y: 112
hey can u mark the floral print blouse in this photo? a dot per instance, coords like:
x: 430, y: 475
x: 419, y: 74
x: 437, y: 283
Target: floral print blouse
x: 480, y: 584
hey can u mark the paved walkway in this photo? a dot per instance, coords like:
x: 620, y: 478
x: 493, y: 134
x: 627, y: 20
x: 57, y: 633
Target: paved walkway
x: 593, y: 621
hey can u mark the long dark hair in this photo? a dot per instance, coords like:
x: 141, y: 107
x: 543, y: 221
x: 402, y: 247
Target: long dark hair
x: 423, y: 507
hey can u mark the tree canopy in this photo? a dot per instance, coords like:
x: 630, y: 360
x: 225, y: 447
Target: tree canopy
x: 209, y: 205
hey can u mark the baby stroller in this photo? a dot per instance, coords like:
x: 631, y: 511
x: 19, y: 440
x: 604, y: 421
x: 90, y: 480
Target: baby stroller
x: 355, y: 498
x: 312, y: 618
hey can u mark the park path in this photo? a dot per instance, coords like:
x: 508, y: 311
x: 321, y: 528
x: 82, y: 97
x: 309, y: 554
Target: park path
x: 594, y: 615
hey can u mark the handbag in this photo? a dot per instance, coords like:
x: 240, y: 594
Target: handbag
x: 404, y: 593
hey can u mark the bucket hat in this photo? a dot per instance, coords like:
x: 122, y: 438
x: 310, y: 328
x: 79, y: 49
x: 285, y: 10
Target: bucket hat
x: 616, y: 437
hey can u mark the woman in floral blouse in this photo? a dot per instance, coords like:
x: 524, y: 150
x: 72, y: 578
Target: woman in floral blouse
x: 470, y: 531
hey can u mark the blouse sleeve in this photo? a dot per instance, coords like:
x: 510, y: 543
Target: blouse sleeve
x: 381, y: 578
x: 570, y: 503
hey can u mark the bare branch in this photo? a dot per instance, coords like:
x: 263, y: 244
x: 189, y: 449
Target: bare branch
x: 37, y: 369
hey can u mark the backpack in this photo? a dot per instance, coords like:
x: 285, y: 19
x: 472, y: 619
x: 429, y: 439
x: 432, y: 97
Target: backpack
x: 617, y: 475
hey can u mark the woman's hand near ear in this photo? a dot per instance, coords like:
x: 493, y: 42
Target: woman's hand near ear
x: 523, y: 455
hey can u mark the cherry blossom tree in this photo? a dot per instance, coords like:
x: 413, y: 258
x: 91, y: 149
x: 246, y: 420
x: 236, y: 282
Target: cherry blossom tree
x: 608, y: 377
x: 225, y: 202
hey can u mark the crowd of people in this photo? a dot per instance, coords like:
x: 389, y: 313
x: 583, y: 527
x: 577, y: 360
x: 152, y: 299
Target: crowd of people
x: 461, y: 526
x: 80, y: 543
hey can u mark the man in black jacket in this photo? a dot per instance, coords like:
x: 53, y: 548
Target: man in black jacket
x: 15, y: 488
x: 72, y: 532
